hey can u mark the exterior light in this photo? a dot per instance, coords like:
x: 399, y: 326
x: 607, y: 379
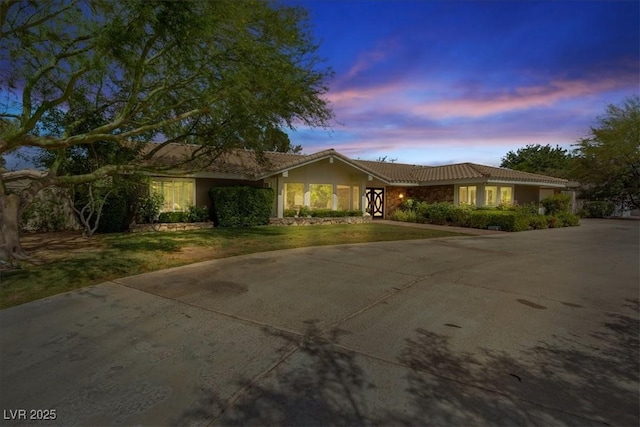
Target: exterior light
x: 401, y: 195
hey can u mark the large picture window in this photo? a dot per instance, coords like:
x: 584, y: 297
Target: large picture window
x: 344, y: 197
x: 294, y: 195
x: 356, y: 198
x: 467, y: 195
x: 321, y: 196
x: 490, y: 195
x: 178, y: 194
x: 506, y: 195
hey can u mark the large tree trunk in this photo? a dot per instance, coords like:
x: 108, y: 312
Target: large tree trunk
x: 10, y: 247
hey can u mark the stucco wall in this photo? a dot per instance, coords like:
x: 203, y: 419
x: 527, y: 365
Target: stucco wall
x: 321, y: 172
x: 524, y: 194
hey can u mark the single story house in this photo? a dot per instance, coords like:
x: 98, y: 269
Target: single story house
x: 330, y: 180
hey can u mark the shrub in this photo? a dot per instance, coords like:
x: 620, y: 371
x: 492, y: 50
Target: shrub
x: 568, y: 220
x: 597, y: 209
x: 241, y: 206
x: 305, y: 211
x: 327, y: 213
x: 408, y: 204
x: 461, y: 215
x: 404, y: 216
x: 440, y: 213
x: 556, y: 204
x: 527, y: 208
x: 355, y: 212
x: 197, y: 214
x: 148, y: 208
x: 113, y: 218
x: 538, y: 221
x: 44, y: 214
x: 172, y: 217
x: 289, y: 213
x: 506, y: 220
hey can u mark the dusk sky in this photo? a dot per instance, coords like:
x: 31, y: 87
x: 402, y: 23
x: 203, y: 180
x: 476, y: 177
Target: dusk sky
x: 434, y: 82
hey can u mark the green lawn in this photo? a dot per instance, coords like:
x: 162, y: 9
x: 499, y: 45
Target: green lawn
x: 125, y: 254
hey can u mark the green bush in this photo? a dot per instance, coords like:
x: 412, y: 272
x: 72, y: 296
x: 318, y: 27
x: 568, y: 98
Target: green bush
x: 289, y: 213
x: 172, y: 217
x: 597, y: 209
x: 527, y: 208
x: 114, y: 213
x: 506, y: 220
x: 305, y: 211
x: 461, y: 215
x: 556, y: 204
x: 241, y: 206
x: 148, y: 208
x: 404, y: 216
x: 197, y: 214
x: 538, y: 221
x: 327, y: 213
x: 568, y: 220
x: 437, y: 213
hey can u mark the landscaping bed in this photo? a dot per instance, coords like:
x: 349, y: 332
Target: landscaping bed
x: 503, y: 218
x: 170, y: 226
x: 301, y: 221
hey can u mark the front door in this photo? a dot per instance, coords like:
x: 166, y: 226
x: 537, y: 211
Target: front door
x: 375, y: 202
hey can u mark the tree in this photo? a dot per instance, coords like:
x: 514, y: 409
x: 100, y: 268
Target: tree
x: 608, y: 160
x: 277, y: 140
x: 217, y: 74
x: 542, y: 159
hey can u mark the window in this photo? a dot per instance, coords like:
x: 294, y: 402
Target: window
x: 356, y: 197
x: 321, y: 196
x: 178, y: 194
x: 506, y: 195
x: 490, y: 195
x: 344, y: 197
x: 467, y: 195
x: 294, y: 195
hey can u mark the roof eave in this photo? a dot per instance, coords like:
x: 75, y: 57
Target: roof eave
x: 334, y: 155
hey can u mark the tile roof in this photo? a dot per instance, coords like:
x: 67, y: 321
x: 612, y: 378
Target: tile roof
x: 245, y: 163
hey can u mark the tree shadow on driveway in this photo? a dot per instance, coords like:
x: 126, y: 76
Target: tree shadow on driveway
x: 321, y: 382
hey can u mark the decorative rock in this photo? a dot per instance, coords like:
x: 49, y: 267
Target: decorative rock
x: 303, y: 221
x: 174, y: 226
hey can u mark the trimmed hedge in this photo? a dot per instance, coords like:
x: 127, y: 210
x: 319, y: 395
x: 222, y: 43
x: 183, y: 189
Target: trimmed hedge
x: 512, y: 218
x: 506, y: 220
x: 241, y: 206
x: 172, y: 217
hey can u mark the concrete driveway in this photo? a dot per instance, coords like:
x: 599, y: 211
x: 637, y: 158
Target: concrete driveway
x: 531, y: 328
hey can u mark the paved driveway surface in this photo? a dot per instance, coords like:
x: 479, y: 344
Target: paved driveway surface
x: 537, y: 328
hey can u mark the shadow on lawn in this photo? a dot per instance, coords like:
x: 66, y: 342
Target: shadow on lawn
x: 322, y: 383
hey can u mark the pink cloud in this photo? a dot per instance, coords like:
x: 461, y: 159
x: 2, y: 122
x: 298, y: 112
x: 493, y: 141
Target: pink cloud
x: 443, y: 101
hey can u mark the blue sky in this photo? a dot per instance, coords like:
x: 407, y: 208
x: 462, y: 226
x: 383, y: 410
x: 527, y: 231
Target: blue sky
x: 434, y: 82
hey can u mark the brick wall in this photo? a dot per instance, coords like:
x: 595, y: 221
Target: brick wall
x: 432, y: 194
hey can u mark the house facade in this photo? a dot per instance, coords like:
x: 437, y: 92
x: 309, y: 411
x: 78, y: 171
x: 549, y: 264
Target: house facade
x: 330, y: 180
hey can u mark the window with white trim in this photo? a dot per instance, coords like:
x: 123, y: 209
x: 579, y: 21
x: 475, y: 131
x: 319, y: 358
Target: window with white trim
x: 490, y: 195
x: 294, y: 195
x: 467, y: 195
x: 178, y: 193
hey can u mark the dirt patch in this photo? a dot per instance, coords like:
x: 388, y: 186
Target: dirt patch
x: 194, y: 254
x: 49, y: 247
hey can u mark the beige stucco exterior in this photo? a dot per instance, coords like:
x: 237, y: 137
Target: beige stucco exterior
x: 331, y: 171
